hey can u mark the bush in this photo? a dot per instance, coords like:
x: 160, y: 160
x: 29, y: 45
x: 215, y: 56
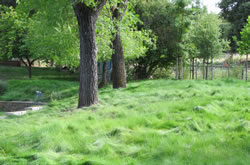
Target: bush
x: 3, y: 87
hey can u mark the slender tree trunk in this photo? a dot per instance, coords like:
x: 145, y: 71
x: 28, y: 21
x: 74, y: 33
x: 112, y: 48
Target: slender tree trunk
x: 242, y: 73
x: 181, y: 77
x: 212, y: 69
x: 104, y: 76
x: 247, y: 67
x: 30, y: 70
x: 196, y: 70
x: 204, y: 69
x: 193, y: 69
x: 177, y: 68
x: 118, y: 62
x: 207, y: 70
x: 87, y: 18
x: 228, y: 68
x: 28, y: 65
x: 190, y: 69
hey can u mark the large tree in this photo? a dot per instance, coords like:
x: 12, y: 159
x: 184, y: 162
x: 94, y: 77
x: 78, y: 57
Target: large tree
x: 236, y: 12
x: 168, y: 20
x: 206, y: 36
x: 14, y: 27
x: 87, y: 13
x: 118, y: 60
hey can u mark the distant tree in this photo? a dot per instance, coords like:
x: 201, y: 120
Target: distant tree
x: 244, y: 44
x: 169, y: 21
x: 236, y: 12
x: 132, y: 40
x: 207, y: 39
x: 158, y: 16
x: 118, y: 61
x: 13, y: 38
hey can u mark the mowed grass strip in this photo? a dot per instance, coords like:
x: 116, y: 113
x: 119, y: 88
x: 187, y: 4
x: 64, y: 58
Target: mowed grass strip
x: 149, y: 123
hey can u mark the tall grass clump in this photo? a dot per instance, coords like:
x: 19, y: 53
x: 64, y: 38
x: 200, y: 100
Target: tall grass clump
x: 3, y: 87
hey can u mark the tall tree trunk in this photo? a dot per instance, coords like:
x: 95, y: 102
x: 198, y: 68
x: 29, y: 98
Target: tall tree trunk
x: 118, y: 60
x: 212, y: 69
x: 246, y: 67
x: 118, y: 63
x: 87, y: 18
x: 104, y: 82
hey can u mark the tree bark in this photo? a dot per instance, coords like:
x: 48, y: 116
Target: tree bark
x: 118, y: 63
x: 118, y: 60
x: 104, y: 82
x: 203, y: 69
x: 87, y: 18
x: 247, y: 67
x: 181, y: 68
x: 28, y: 65
x: 192, y: 68
x: 177, y: 68
x: 212, y: 69
x: 242, y: 73
x: 30, y: 70
x: 207, y: 70
x: 196, y: 70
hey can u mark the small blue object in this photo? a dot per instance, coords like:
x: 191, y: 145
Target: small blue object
x: 38, y: 95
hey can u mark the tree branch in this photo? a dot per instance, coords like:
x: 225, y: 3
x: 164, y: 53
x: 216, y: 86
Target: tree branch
x: 34, y: 60
x: 124, y: 10
x: 23, y: 61
x: 100, y: 6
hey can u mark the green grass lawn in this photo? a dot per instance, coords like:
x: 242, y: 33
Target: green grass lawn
x: 155, y: 122
x: 52, y: 83
x: 21, y: 73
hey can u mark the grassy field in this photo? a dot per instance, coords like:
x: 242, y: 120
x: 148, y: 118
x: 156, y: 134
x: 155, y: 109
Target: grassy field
x: 154, y: 122
x: 54, y: 84
x: 21, y: 73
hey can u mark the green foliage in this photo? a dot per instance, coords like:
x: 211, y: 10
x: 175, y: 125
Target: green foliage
x: 236, y: 12
x: 206, y: 36
x: 244, y: 44
x: 3, y: 87
x: 150, y: 122
x: 53, y: 31
x: 169, y: 22
x: 13, y: 31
